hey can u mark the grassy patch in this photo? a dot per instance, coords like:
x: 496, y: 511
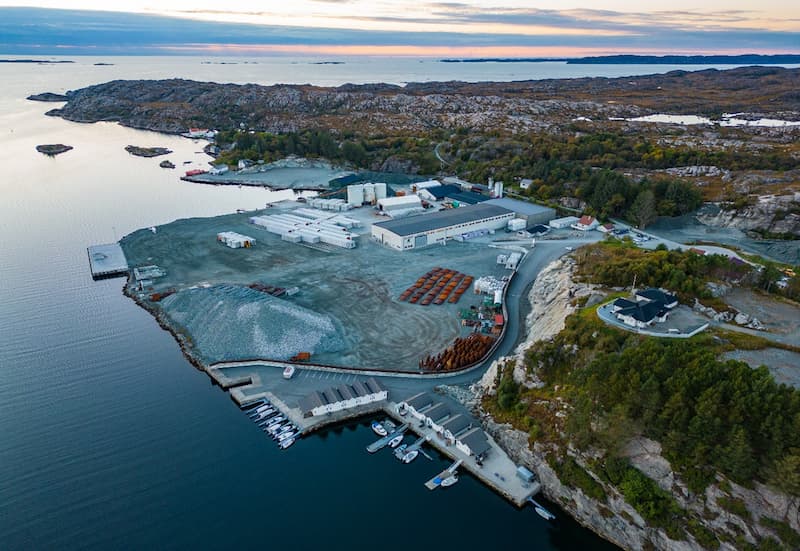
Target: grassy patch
x: 572, y: 474
x: 736, y: 506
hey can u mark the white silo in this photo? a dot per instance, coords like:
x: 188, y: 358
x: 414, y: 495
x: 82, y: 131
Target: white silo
x: 380, y: 190
x: 355, y: 195
x: 369, y: 193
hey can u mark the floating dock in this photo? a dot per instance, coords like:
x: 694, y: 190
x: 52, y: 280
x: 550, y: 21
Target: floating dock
x: 436, y: 481
x: 107, y: 261
x: 383, y: 442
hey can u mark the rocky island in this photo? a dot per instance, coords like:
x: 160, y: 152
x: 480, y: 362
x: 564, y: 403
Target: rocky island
x: 147, y: 151
x: 48, y: 97
x: 53, y: 149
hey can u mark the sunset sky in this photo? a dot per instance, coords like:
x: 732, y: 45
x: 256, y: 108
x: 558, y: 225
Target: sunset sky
x: 510, y: 28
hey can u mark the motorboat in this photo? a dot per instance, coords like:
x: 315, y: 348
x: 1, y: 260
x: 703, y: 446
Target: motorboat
x: 398, y: 453
x: 449, y: 481
x: 250, y: 406
x: 408, y: 457
x: 540, y: 510
x: 379, y: 429
x: 394, y: 442
x: 286, y: 435
x: 286, y: 443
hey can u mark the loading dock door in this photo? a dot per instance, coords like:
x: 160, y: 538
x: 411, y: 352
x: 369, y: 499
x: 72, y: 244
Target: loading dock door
x: 420, y: 241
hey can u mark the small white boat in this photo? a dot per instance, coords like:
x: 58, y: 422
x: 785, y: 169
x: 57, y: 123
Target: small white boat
x: 410, y: 456
x: 378, y: 429
x: 288, y: 372
x: 286, y: 443
x: 286, y: 435
x: 540, y: 510
x: 394, y: 442
x: 449, y: 481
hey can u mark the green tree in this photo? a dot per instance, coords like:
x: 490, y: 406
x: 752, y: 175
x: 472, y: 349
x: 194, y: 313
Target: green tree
x: 643, y: 209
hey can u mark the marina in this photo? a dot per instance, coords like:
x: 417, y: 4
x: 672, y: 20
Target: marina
x: 272, y: 422
x: 388, y: 439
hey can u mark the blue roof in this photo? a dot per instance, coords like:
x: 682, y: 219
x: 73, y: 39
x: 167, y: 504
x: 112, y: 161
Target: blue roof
x: 520, y: 207
x: 467, y: 197
x: 451, y: 217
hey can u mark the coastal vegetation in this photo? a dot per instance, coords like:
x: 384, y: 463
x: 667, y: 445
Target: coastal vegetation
x: 602, y: 388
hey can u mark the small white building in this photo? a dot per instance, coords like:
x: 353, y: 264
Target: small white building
x: 436, y: 416
x: 473, y: 442
x: 525, y: 183
x: 561, y: 223
x: 403, y: 203
x: 417, y: 405
x: 605, y: 228
x: 586, y: 223
x: 235, y: 240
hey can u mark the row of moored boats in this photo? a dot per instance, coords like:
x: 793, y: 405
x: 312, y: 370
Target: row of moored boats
x: 272, y: 422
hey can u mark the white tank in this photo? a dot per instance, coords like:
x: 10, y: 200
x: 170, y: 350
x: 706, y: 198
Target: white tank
x: 355, y: 195
x: 498, y: 296
x: 380, y: 190
x: 369, y: 193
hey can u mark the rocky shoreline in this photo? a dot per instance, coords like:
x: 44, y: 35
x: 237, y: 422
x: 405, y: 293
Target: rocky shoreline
x: 554, y: 295
x: 174, y: 105
x: 147, y: 151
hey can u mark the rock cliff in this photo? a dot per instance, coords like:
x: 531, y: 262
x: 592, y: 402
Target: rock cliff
x: 554, y: 295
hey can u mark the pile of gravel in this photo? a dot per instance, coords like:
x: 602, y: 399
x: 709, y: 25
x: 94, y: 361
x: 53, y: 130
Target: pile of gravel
x: 227, y: 322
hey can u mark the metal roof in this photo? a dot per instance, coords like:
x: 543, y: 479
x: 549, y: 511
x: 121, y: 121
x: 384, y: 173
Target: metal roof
x: 375, y: 385
x: 310, y: 401
x: 438, y: 412
x: 421, y: 400
x: 442, y: 219
x: 457, y: 423
x: 476, y: 441
x: 521, y: 207
x: 467, y: 197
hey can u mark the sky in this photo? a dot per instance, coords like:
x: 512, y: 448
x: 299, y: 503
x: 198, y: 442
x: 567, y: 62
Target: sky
x: 467, y: 28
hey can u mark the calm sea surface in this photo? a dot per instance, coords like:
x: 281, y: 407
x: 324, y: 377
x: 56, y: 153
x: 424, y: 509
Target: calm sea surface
x: 108, y: 437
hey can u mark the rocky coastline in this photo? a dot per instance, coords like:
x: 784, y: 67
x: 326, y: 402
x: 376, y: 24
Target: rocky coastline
x: 147, y: 151
x: 554, y: 296
x: 175, y: 105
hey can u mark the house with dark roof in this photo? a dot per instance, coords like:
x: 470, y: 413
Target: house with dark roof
x: 652, y: 294
x: 418, y: 404
x: 456, y: 425
x: 651, y: 306
x: 437, y: 415
x: 473, y: 442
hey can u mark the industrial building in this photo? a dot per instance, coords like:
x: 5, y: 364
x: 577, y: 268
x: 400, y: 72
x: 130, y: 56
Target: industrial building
x: 436, y: 228
x: 530, y: 212
x: 235, y: 240
x: 358, y: 194
x: 561, y: 223
x: 398, y: 207
x: 343, y: 397
x: 307, y: 228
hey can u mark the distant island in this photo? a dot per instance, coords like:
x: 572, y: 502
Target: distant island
x: 48, y: 96
x: 52, y: 150
x: 147, y: 151
x: 34, y: 61
x: 744, y: 59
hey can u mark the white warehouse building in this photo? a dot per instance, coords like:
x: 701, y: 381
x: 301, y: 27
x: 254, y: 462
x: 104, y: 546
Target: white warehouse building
x: 436, y: 228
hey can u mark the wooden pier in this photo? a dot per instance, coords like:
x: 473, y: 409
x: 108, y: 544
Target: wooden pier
x: 384, y: 441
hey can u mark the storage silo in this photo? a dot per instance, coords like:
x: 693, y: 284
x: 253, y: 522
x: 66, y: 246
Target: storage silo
x: 369, y: 193
x: 380, y: 191
x: 355, y: 195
